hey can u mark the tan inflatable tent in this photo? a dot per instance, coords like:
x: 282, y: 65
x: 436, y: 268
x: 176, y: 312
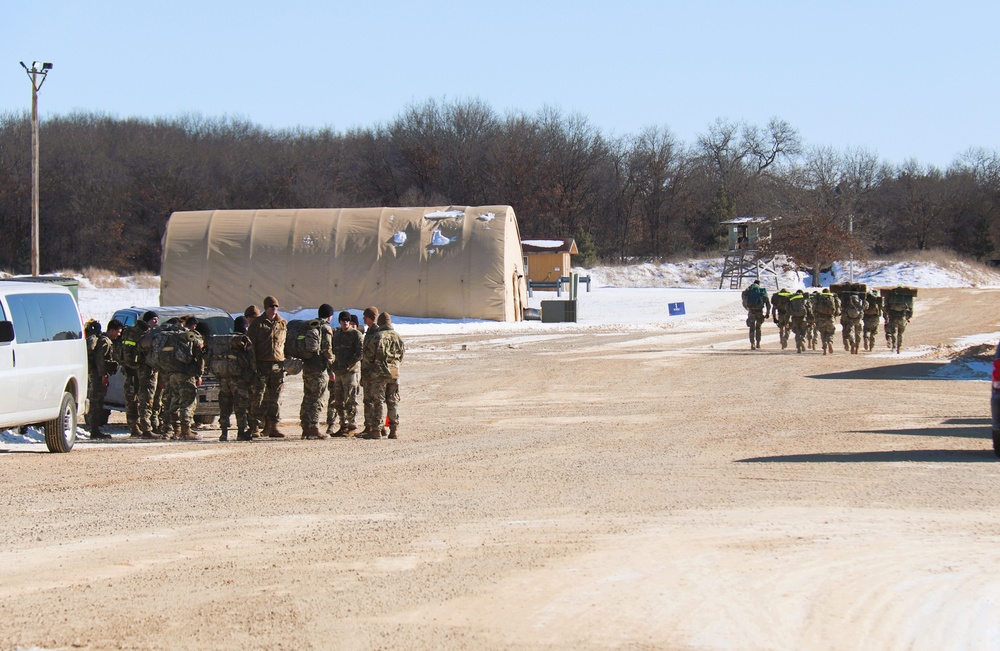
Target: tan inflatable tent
x: 447, y: 262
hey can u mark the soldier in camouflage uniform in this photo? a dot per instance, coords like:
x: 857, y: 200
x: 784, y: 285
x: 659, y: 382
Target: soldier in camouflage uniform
x: 779, y: 311
x: 316, y: 377
x: 268, y: 332
x: 369, y: 317
x: 897, y: 315
x: 384, y: 353
x: 852, y: 311
x: 102, y: 367
x: 812, y: 336
x: 873, y: 310
x: 756, y: 314
x: 348, y: 345
x: 825, y: 323
x: 145, y: 388
x: 800, y: 314
x: 234, y: 392
x: 181, y: 387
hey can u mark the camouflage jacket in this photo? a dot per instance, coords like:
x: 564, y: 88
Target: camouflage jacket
x: 324, y: 359
x: 384, y: 353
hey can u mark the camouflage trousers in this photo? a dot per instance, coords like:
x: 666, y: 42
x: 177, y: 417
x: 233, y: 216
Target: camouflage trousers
x: 344, y: 399
x: 851, y: 333
x: 131, y: 402
x: 895, y: 326
x: 145, y: 390
x: 270, y: 380
x: 870, y: 331
x: 385, y: 402
x: 314, y: 390
x: 234, y: 398
x: 755, y: 319
x: 182, y: 396
x: 827, y: 328
x: 784, y: 323
x: 367, y: 392
x: 97, y: 415
x: 801, y: 330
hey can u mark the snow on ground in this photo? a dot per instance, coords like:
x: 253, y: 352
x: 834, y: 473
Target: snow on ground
x: 634, y: 298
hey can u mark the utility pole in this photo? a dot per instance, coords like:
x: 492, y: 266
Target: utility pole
x: 36, y: 73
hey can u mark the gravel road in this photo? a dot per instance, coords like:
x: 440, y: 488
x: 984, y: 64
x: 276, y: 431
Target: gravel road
x: 576, y: 490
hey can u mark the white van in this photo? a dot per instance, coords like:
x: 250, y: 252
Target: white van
x: 43, y: 360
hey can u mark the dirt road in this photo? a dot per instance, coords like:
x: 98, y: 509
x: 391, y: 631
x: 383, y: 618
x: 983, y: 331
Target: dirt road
x: 590, y: 489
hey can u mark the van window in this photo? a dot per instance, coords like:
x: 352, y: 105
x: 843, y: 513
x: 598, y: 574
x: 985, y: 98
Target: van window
x: 44, y: 317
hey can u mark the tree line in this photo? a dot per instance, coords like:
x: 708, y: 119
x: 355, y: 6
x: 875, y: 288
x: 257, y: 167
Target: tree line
x: 108, y: 185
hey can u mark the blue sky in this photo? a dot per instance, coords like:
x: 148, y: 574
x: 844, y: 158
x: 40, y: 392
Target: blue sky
x: 907, y: 80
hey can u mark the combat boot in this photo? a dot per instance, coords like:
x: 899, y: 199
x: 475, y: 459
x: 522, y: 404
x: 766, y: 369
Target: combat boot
x: 331, y: 430
x: 187, y: 434
x: 225, y: 434
x: 243, y: 435
x: 392, y: 431
x: 273, y: 431
x: 134, y: 431
x: 96, y: 433
x: 371, y: 435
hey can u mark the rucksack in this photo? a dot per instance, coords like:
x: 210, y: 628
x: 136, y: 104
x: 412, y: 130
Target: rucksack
x: 854, y: 308
x: 756, y: 296
x: 780, y: 301
x: 825, y: 304
x: 171, y: 349
x: 227, y: 355
x: 91, y: 347
x: 873, y: 306
x: 898, y: 303
x: 797, y: 305
x: 303, y: 338
x: 128, y: 352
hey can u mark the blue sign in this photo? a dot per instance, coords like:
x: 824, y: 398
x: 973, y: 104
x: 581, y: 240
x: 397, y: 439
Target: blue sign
x: 676, y: 309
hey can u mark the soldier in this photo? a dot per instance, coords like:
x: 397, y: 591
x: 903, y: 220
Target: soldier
x: 145, y: 388
x: 255, y: 387
x: 384, y: 354
x: 898, y: 313
x: 368, y: 316
x: 267, y: 332
x: 873, y: 310
x: 852, y: 310
x: 758, y: 308
x: 779, y: 310
x: 181, y: 386
x: 234, y: 390
x: 800, y: 314
x: 348, y: 346
x: 825, y: 310
x: 812, y: 334
x: 315, y: 377
x: 102, y: 367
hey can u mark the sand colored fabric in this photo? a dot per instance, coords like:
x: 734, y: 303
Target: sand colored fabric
x: 449, y: 262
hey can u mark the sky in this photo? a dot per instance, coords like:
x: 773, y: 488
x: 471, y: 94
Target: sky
x: 910, y: 80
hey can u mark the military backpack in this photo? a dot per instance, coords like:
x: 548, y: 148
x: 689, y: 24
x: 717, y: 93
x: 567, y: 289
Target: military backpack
x: 170, y: 348
x: 128, y: 352
x: 303, y: 338
x: 755, y: 297
x: 797, y: 306
x: 825, y: 304
x: 228, y: 355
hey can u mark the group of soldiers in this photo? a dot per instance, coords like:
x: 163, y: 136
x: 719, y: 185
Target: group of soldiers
x: 811, y: 316
x: 162, y: 404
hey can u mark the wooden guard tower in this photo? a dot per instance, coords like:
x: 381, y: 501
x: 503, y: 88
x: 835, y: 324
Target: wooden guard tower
x: 743, y: 259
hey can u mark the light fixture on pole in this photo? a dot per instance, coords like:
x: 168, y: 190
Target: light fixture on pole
x: 36, y: 73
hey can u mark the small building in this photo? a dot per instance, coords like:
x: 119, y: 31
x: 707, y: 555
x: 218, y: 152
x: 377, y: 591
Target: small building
x: 546, y: 261
x: 744, y: 260
x: 744, y: 232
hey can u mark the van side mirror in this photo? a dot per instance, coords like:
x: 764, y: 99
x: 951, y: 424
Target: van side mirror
x: 6, y: 332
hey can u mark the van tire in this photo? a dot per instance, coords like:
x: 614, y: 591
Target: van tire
x: 60, y: 432
x: 204, y: 419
